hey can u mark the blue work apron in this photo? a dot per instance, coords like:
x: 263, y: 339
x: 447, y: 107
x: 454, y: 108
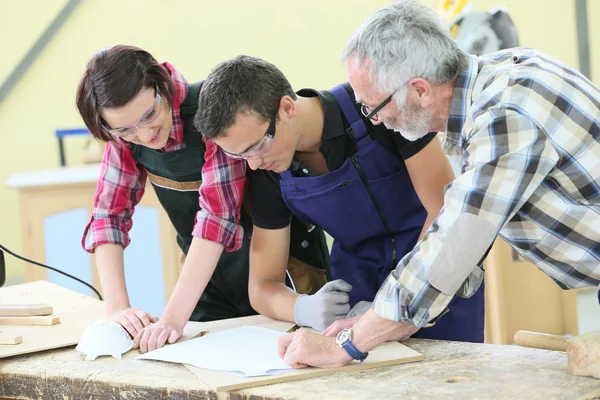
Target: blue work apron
x: 370, y: 208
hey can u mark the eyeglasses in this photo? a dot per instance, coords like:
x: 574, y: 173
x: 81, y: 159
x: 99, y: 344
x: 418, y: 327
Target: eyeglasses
x: 144, y: 122
x: 261, y: 148
x: 372, y: 114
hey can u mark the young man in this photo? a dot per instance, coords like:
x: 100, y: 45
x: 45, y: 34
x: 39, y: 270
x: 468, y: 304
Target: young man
x: 314, y: 155
x: 525, y: 129
x: 144, y: 110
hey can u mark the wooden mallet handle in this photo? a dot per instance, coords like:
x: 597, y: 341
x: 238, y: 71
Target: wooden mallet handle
x: 540, y: 340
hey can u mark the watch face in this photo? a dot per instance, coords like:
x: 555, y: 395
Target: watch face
x: 344, y: 335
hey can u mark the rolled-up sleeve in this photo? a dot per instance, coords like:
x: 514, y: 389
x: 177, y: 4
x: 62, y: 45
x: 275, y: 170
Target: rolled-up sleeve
x: 221, y: 195
x: 120, y: 187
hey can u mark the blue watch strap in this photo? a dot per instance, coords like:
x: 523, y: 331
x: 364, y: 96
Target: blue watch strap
x: 353, y: 351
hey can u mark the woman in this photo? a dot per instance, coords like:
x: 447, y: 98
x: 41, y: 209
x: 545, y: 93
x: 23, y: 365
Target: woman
x: 144, y: 110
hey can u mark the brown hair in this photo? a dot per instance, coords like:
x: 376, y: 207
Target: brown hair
x: 113, y: 77
x: 242, y: 83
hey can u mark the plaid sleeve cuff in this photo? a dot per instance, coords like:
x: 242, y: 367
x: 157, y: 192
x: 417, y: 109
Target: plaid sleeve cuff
x: 397, y: 303
x: 104, y: 231
x: 219, y: 230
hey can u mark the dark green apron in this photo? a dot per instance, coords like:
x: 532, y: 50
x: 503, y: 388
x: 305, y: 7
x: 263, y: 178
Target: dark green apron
x: 176, y: 177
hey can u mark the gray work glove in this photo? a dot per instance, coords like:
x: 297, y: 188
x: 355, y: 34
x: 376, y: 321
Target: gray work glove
x: 359, y: 308
x: 321, y: 309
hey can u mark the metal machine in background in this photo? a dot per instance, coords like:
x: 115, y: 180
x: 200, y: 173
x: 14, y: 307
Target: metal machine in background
x: 479, y: 32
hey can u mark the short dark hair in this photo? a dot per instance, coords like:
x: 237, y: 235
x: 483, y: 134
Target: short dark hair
x: 112, y: 78
x: 241, y: 84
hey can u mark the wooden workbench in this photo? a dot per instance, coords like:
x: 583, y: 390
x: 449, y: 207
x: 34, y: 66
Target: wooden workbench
x: 451, y: 370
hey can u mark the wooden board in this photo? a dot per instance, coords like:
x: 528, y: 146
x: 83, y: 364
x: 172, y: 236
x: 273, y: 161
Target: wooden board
x: 10, y: 339
x: 37, y: 320
x: 12, y: 310
x: 75, y: 311
x: 383, y: 356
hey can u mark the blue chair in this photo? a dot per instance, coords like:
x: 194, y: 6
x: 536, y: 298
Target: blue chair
x: 60, y: 135
x: 2, y: 269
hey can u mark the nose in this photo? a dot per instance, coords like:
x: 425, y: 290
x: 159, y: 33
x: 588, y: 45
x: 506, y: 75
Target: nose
x: 145, y: 135
x: 254, y: 163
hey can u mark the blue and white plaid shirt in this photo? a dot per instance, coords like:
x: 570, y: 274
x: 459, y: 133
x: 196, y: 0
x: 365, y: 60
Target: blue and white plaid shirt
x: 526, y: 130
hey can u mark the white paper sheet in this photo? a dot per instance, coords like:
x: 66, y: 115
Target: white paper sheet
x: 244, y: 351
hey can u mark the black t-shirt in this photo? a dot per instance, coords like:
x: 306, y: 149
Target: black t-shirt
x: 269, y: 211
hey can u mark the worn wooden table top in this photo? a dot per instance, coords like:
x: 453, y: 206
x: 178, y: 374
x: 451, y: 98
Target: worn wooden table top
x: 451, y: 370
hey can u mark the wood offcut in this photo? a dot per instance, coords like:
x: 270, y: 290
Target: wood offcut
x: 7, y: 338
x: 24, y: 310
x: 75, y: 312
x: 46, y: 320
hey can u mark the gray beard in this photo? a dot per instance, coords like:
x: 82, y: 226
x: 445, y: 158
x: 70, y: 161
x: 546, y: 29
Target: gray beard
x: 419, y: 126
x: 410, y: 135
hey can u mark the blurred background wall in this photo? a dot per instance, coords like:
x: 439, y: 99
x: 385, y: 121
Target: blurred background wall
x: 304, y: 38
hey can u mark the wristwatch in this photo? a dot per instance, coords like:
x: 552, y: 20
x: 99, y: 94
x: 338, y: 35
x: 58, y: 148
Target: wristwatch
x: 344, y: 340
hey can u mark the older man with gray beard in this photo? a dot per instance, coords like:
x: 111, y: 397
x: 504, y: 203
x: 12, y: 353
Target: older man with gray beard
x: 525, y: 130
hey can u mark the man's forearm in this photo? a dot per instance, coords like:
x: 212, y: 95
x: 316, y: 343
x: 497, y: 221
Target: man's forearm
x: 197, y: 270
x: 372, y: 330
x: 269, y: 253
x: 273, y: 299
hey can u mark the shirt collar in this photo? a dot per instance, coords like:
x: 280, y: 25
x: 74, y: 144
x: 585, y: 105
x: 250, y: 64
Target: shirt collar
x: 461, y: 99
x: 181, y: 90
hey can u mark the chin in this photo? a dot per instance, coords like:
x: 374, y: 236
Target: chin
x: 277, y: 167
x: 156, y: 146
x: 273, y: 166
x: 282, y: 166
x: 162, y: 141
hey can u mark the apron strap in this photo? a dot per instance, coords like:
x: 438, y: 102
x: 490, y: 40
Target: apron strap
x: 357, y: 125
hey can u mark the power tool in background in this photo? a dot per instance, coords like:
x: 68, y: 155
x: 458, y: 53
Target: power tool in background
x: 479, y: 32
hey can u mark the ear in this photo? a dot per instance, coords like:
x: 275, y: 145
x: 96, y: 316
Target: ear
x: 287, y: 107
x: 422, y: 91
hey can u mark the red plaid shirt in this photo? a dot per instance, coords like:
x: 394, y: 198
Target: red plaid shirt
x: 122, y: 183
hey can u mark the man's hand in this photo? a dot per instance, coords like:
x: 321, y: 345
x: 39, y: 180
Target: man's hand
x: 303, y: 348
x: 322, y: 308
x: 337, y: 326
x: 156, y: 335
x: 132, y: 319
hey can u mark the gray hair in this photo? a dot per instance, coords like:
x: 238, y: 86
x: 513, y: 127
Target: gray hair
x: 403, y: 41
x: 240, y: 84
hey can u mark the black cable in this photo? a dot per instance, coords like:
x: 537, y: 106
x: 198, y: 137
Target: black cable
x: 53, y: 269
